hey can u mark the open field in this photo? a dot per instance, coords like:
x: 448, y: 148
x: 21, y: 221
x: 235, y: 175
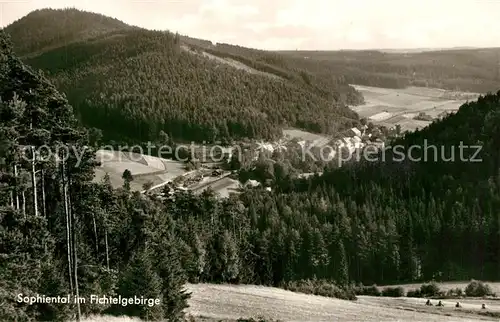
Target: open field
x: 316, y: 139
x: 235, y: 301
x: 144, y: 168
x: 471, y: 308
x: 389, y: 107
x: 222, y: 185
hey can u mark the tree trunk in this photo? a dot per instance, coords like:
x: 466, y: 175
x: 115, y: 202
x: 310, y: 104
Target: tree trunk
x: 74, y: 235
x: 95, y: 236
x: 43, y: 194
x: 17, y: 195
x: 33, y: 183
x: 12, y: 199
x: 107, y: 250
x: 68, y: 225
x: 24, y: 203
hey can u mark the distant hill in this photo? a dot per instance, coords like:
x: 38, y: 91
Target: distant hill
x: 420, y: 50
x: 473, y: 70
x: 49, y: 28
x: 133, y: 83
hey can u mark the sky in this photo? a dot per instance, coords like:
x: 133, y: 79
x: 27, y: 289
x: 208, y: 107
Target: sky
x: 301, y: 24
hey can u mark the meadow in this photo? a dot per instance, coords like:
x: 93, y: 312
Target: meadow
x: 144, y: 168
x: 235, y: 301
x: 386, y: 106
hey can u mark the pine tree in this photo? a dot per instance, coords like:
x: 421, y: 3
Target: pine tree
x: 141, y: 279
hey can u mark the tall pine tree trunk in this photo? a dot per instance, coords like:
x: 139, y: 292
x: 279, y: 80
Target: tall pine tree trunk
x: 16, y: 194
x: 74, y: 234
x: 68, y: 224
x: 33, y: 183
x: 44, y: 210
x: 95, y: 236
x: 107, y: 249
x: 24, y: 203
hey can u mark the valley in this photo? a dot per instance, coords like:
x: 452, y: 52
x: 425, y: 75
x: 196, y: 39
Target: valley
x: 255, y: 232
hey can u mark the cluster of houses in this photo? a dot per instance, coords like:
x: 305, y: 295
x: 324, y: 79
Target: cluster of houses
x: 355, y: 139
x: 358, y: 139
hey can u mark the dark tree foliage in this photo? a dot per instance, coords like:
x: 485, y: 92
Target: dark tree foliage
x: 472, y: 70
x: 382, y: 223
x: 48, y: 28
x: 64, y: 234
x: 133, y: 83
x: 369, y: 222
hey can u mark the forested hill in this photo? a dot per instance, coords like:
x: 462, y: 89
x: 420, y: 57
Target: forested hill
x: 46, y: 28
x: 471, y: 70
x: 437, y: 217
x: 132, y: 83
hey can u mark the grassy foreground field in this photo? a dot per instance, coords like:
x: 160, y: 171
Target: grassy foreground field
x: 210, y: 302
x: 235, y: 301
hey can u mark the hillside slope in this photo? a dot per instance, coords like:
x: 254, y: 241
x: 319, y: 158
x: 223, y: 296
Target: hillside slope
x: 436, y: 192
x: 133, y: 83
x: 47, y: 28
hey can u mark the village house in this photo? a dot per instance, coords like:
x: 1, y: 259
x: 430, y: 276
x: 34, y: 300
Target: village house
x: 355, y: 131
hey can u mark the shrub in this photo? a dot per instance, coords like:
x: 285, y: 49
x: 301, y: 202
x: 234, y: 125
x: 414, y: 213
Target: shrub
x: 322, y: 288
x: 393, y: 291
x: 457, y: 292
x: 414, y: 293
x: 367, y: 290
x: 478, y: 289
x: 429, y: 290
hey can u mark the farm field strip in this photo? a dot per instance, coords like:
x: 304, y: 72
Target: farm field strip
x: 236, y: 301
x: 384, y: 106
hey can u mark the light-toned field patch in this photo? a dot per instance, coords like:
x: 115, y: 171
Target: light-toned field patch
x: 301, y: 135
x: 381, y: 104
x: 382, y: 116
x: 236, y: 301
x: 223, y: 187
x: 144, y: 168
x: 470, y: 308
x: 409, y: 115
x: 230, y: 62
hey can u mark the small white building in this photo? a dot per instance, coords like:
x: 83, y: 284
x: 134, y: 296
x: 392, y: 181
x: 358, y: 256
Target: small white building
x: 252, y: 183
x: 356, y: 131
